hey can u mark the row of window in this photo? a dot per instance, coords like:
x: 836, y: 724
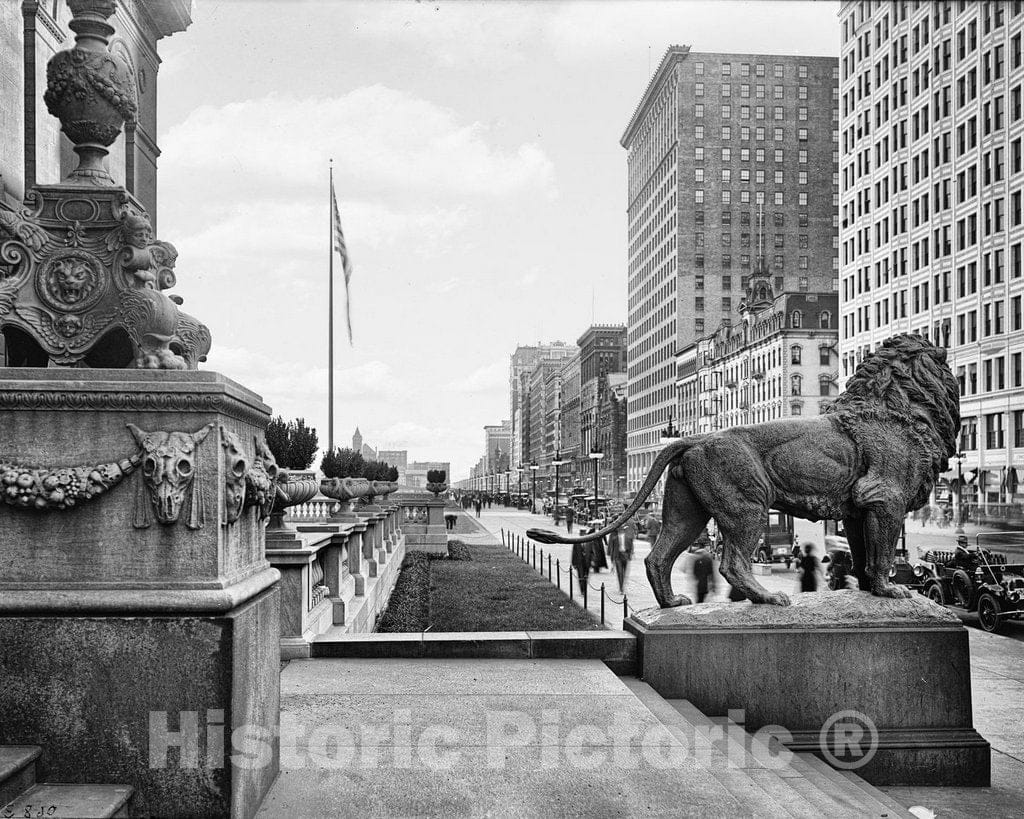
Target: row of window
x: 778, y: 240
x: 778, y: 197
x: 778, y: 114
x: 778, y: 262
x: 744, y: 176
x: 760, y: 134
x: 994, y: 431
x: 778, y: 70
x: 760, y: 91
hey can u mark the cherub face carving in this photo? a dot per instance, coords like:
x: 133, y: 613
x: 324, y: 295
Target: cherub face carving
x: 236, y: 465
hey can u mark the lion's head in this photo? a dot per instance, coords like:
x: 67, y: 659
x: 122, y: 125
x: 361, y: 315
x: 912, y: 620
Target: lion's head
x: 906, y: 380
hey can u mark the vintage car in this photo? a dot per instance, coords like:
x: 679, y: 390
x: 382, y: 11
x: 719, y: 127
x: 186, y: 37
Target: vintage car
x: 974, y: 579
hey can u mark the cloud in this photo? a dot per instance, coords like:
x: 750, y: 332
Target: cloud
x: 491, y: 377
x: 281, y: 382
x: 256, y: 231
x: 382, y: 140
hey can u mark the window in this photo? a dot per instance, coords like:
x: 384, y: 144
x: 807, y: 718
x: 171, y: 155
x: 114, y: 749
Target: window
x: 824, y: 385
x: 726, y: 132
x: 795, y: 354
x: 824, y: 322
x: 824, y: 356
x: 796, y: 318
x: 698, y: 174
x: 698, y: 132
x: 698, y: 89
x: 779, y: 113
x: 777, y: 70
x: 994, y: 430
x: 796, y: 385
x: 801, y: 72
x: 726, y: 112
x: 698, y: 196
x: 698, y: 110
x: 698, y: 69
x: 726, y: 90
x: 726, y: 154
x: 698, y: 153
x: 796, y: 409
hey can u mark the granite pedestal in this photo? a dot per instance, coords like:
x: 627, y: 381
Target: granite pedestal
x: 136, y: 638
x: 901, y: 664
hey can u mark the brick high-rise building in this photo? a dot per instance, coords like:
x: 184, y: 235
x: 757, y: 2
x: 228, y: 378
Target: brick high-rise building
x: 932, y: 221
x: 730, y: 156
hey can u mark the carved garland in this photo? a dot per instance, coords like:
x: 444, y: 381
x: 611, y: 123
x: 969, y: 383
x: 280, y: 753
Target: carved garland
x: 43, y: 488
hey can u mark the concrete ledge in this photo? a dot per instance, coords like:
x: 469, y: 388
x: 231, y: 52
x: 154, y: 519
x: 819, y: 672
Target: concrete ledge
x: 617, y: 649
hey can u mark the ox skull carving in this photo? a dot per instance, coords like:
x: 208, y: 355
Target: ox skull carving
x: 236, y: 467
x: 169, y: 467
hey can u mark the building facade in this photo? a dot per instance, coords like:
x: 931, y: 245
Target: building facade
x: 779, y: 360
x: 730, y: 157
x: 569, y: 421
x: 521, y: 364
x: 932, y: 219
x: 497, y: 447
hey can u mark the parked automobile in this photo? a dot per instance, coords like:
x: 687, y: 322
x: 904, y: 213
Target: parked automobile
x: 974, y: 579
x: 776, y: 543
x: 836, y: 556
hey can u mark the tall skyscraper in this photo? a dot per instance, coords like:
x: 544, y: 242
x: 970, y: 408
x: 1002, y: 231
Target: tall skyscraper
x: 731, y: 157
x: 931, y: 214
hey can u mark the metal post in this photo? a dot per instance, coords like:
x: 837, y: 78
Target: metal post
x: 549, y: 567
x: 625, y: 608
x: 584, y: 583
x: 602, y: 604
x: 570, y: 583
x: 503, y: 536
x: 558, y: 577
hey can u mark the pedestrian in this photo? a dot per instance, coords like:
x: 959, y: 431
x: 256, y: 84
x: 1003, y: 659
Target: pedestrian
x: 581, y: 561
x: 449, y: 521
x: 477, y: 505
x: 622, y: 550
x: 570, y: 517
x: 653, y: 529
x: 703, y: 567
x: 598, y: 560
x: 808, y: 569
x: 926, y: 512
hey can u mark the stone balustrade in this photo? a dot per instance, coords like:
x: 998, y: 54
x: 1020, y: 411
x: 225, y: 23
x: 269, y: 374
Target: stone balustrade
x: 337, y: 570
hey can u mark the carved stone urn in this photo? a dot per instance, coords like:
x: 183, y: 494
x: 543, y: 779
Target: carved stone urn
x: 91, y: 90
x: 290, y: 492
x: 379, y: 489
x: 345, y: 491
x: 437, y: 488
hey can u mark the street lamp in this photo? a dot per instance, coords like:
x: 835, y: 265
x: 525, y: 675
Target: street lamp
x: 534, y: 466
x: 557, y: 462
x: 959, y: 492
x: 670, y: 433
x: 519, y: 497
x: 595, y: 456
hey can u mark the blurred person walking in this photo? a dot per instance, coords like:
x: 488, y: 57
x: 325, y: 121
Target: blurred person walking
x: 809, y: 569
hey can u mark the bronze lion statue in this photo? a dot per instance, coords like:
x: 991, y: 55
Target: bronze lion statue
x: 871, y: 458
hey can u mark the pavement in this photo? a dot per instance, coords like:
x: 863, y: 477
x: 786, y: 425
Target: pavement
x: 997, y: 662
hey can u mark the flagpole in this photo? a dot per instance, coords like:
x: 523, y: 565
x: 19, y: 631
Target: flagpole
x: 330, y: 319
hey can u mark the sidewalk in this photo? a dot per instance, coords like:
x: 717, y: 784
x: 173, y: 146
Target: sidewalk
x: 638, y: 591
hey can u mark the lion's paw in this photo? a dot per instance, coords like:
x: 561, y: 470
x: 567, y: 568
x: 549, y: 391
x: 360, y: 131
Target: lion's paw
x: 893, y: 591
x: 678, y: 600
x: 777, y: 599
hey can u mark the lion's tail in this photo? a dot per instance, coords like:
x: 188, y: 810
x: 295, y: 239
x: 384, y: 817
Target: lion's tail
x: 665, y: 457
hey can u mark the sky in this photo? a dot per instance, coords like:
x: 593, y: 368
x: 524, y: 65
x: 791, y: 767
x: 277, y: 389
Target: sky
x: 479, y: 177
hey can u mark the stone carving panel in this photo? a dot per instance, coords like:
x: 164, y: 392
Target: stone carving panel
x: 170, y: 462
x: 261, y: 480
x: 55, y: 488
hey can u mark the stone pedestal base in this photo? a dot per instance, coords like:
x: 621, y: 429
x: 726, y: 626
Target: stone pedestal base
x: 902, y: 665
x: 150, y: 702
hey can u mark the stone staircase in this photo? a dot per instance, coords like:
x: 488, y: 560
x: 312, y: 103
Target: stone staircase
x: 805, y: 787
x: 21, y: 795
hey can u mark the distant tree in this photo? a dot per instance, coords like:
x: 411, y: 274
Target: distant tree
x: 343, y: 463
x: 392, y: 473
x: 293, y: 443
x: 376, y: 471
x: 436, y: 475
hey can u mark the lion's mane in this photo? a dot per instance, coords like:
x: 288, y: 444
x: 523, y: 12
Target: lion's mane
x: 905, y: 381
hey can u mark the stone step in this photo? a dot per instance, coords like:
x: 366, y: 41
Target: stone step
x: 17, y: 770
x: 836, y: 790
x: 79, y: 801
x: 737, y: 781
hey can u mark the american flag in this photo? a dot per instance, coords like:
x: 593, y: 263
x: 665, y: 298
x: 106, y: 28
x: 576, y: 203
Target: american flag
x: 346, y: 262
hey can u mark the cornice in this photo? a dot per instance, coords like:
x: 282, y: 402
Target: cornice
x: 673, y: 54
